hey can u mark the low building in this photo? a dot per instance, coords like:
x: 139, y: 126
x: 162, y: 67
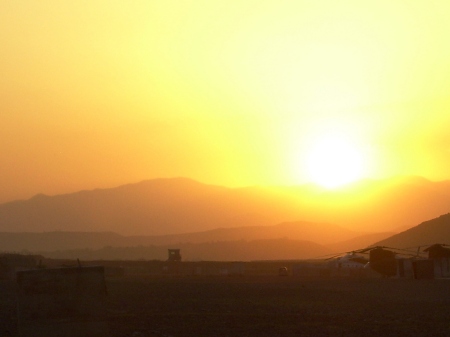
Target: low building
x: 405, y: 267
x: 440, y: 256
x: 62, y: 302
x: 423, y: 269
x: 174, y: 255
x: 10, y: 263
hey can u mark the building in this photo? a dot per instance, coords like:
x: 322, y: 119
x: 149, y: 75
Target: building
x: 62, y: 302
x: 405, y: 267
x: 441, y: 259
x: 174, y: 255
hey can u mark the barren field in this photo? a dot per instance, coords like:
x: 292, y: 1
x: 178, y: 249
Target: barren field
x: 276, y: 306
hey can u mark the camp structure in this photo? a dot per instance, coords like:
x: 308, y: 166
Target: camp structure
x: 441, y: 260
x: 405, y: 267
x: 59, y: 302
x: 10, y: 263
x: 383, y: 261
x: 174, y: 255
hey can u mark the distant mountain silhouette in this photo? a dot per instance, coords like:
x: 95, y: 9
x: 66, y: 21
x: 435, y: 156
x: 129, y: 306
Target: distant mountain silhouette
x: 273, y: 249
x: 358, y: 242
x: 53, y: 241
x: 380, y: 206
x: 321, y: 233
x: 427, y: 233
x: 179, y: 205
x: 160, y: 206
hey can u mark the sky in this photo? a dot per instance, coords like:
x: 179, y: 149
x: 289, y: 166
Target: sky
x: 99, y: 93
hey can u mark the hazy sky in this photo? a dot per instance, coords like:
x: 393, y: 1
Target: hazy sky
x: 232, y: 92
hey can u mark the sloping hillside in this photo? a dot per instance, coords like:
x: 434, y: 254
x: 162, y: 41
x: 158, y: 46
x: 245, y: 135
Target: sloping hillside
x: 358, y: 242
x: 429, y: 232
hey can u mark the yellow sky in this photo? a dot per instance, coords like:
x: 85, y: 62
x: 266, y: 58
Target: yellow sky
x: 232, y: 92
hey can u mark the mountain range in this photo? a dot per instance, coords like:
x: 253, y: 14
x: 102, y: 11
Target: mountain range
x: 180, y: 205
x: 213, y: 222
x: 326, y: 236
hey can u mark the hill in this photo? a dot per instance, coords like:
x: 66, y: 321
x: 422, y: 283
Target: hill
x: 155, y: 207
x: 358, y: 242
x: 179, y: 205
x: 273, y: 249
x: 321, y: 233
x: 427, y: 233
x: 58, y: 241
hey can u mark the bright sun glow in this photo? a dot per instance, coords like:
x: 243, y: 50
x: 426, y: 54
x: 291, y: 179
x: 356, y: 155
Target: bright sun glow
x: 333, y: 161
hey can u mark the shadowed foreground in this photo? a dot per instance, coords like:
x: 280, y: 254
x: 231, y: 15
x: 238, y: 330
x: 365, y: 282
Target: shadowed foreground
x: 277, y: 306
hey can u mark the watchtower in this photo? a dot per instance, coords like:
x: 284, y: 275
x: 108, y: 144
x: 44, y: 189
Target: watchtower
x: 174, y: 255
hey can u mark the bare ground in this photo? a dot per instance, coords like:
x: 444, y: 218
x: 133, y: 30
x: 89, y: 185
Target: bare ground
x: 276, y: 306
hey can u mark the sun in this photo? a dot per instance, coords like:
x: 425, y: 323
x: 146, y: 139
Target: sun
x: 333, y: 161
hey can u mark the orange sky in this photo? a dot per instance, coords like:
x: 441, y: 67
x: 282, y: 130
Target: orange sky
x: 101, y: 93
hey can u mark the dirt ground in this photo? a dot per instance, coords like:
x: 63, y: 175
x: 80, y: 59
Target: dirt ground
x: 176, y: 306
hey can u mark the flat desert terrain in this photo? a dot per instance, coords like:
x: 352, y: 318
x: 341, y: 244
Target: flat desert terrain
x: 256, y: 305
